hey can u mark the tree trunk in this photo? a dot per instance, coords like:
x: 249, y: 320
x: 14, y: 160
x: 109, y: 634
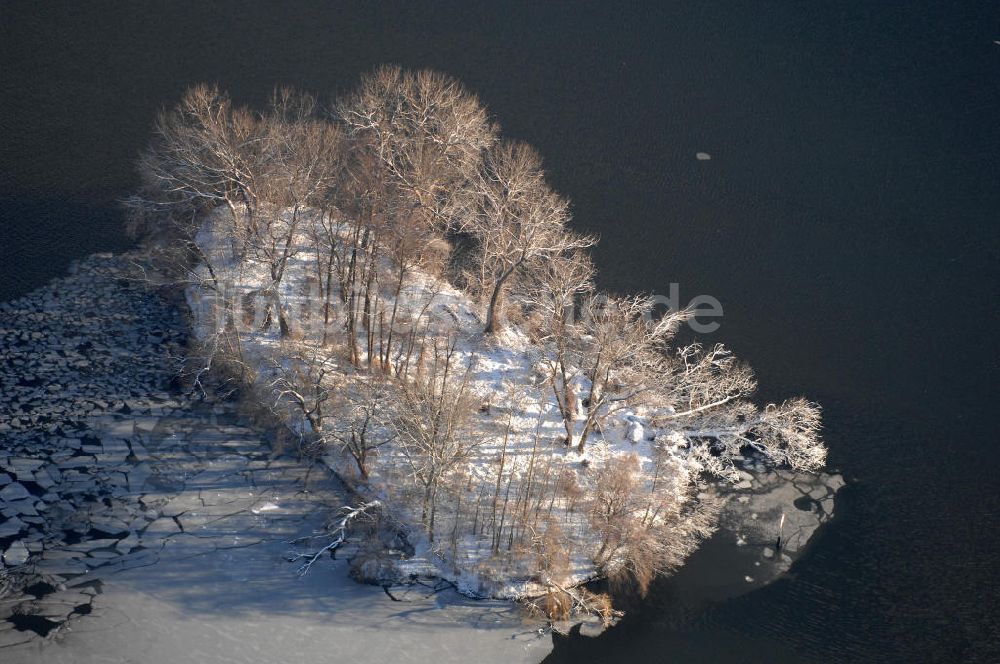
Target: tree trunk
x: 495, y: 308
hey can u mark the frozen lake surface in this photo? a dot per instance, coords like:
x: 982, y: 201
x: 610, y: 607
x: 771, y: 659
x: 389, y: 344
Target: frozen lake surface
x: 217, y: 596
x: 148, y: 526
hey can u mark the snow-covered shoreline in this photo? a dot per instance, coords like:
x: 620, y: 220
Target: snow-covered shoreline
x: 748, y: 522
x: 403, y: 288
x: 141, y: 523
x: 501, y: 367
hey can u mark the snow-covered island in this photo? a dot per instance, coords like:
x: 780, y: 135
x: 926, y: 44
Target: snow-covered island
x: 401, y: 290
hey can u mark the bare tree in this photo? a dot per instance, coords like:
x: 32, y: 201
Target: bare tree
x: 789, y: 434
x: 303, y: 154
x: 302, y: 382
x: 353, y: 416
x: 623, y: 355
x: 613, y: 505
x: 206, y: 152
x: 702, y: 380
x: 425, y: 130
x: 408, y: 244
x: 360, y: 417
x: 784, y: 434
x: 516, y: 220
x: 418, y: 137
x: 706, y: 394
x: 646, y: 528
x: 555, y: 290
x: 431, y: 425
x: 329, y: 235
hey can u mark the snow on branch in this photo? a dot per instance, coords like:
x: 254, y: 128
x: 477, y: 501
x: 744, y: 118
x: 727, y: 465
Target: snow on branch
x: 338, y: 534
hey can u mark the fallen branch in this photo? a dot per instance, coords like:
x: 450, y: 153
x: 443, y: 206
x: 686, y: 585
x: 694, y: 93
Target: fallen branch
x: 583, y: 601
x: 339, y: 535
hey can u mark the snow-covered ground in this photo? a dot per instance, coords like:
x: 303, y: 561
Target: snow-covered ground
x: 146, y: 615
x: 504, y: 374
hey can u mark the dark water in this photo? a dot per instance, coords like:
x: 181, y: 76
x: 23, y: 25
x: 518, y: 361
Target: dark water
x: 847, y: 221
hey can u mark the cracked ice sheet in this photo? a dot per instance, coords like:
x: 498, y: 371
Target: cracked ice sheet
x: 222, y: 591
x: 217, y: 605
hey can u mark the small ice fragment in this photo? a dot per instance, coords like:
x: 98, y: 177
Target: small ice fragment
x: 748, y: 579
x: 703, y: 156
x: 266, y: 507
